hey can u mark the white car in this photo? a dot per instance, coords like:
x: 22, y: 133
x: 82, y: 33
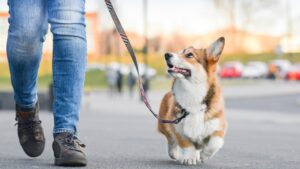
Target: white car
x: 282, y: 66
x: 255, y: 69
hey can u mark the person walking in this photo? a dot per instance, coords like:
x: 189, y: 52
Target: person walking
x: 28, y: 25
x: 111, y: 78
x: 119, y: 81
x: 145, y: 83
x: 131, y: 82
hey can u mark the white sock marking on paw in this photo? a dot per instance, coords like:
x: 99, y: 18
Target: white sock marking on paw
x: 214, y: 144
x: 188, y: 156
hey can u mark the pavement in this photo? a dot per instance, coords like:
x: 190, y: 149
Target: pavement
x: 120, y: 133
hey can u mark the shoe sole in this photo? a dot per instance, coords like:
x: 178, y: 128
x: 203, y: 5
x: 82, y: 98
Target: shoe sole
x: 70, y: 162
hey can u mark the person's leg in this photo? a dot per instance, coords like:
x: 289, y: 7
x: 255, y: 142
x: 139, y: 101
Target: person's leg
x: 67, y: 19
x: 27, y: 28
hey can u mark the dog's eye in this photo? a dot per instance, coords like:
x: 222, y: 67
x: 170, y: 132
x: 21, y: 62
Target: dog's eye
x: 189, y: 55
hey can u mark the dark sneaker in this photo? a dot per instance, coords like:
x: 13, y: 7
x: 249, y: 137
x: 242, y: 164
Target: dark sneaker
x: 30, y: 131
x: 68, y: 150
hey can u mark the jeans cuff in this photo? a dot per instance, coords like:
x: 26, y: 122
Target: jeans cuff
x: 64, y: 130
x: 29, y: 106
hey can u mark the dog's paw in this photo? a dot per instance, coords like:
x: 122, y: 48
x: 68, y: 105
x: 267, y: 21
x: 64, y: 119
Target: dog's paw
x: 189, y: 156
x: 189, y: 161
x: 174, y: 152
x: 204, y: 156
x: 198, y: 157
x: 213, y: 146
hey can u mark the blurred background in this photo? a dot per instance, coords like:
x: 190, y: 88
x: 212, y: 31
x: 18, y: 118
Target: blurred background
x: 262, y: 46
x: 259, y: 72
x: 262, y: 38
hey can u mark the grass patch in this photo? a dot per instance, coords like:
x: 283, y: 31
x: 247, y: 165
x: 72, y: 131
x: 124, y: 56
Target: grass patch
x: 95, y: 79
x: 5, y: 83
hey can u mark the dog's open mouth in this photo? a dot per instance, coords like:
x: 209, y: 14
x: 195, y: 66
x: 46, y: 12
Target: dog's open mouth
x: 174, y: 69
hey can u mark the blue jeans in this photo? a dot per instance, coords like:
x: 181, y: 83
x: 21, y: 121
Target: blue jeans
x: 28, y: 25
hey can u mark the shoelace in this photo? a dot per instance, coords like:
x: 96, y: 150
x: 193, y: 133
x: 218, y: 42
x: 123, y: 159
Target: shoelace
x: 71, y: 142
x: 31, y: 123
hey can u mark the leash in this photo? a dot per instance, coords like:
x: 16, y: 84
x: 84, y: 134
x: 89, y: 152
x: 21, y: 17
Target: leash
x: 126, y: 41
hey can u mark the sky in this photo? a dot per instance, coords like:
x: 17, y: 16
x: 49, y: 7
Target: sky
x: 191, y: 17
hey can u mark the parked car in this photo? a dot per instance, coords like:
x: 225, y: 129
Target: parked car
x: 294, y: 73
x: 255, y: 69
x: 281, y: 67
x: 231, y: 69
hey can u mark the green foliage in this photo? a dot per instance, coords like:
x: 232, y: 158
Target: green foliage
x: 95, y: 79
x: 44, y: 81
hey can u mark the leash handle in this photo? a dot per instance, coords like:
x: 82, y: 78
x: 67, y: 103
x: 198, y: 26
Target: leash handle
x: 126, y: 41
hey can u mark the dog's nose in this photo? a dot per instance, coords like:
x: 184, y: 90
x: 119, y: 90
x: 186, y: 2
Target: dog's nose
x: 168, y: 56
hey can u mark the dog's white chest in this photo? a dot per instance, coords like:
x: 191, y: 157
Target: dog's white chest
x: 193, y: 126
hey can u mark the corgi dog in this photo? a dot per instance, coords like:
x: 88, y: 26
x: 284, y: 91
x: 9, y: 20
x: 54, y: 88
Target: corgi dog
x: 196, y: 90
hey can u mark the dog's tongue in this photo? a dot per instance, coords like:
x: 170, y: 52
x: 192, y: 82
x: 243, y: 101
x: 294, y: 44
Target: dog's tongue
x: 177, y: 70
x: 172, y: 69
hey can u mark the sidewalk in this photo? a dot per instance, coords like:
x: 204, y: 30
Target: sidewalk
x: 120, y: 133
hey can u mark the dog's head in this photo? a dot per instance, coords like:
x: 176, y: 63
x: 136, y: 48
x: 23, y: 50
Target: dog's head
x: 195, y: 64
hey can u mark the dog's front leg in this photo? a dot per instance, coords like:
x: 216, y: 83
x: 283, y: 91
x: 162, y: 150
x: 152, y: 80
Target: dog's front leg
x: 188, y: 155
x: 213, y: 146
x: 173, y: 148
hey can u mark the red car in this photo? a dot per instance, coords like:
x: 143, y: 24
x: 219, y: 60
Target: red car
x: 294, y: 73
x: 231, y: 70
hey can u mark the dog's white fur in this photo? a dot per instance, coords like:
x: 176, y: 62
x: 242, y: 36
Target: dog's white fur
x: 189, y: 93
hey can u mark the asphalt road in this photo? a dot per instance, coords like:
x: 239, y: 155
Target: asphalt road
x: 282, y: 103
x: 121, y: 134
x: 264, y: 95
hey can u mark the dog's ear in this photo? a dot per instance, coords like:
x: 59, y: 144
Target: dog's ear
x: 214, y: 51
